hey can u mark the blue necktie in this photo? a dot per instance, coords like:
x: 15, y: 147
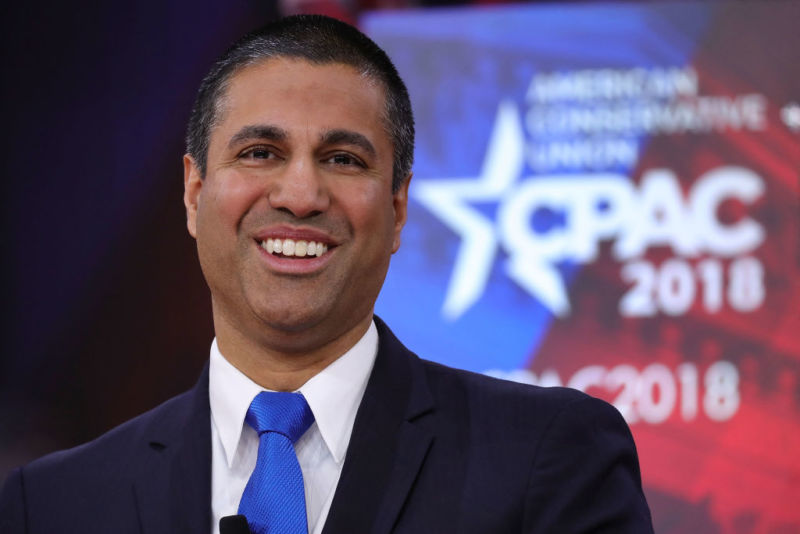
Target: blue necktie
x: 274, y: 501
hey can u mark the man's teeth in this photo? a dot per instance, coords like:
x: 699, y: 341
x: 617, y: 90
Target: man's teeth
x: 290, y: 247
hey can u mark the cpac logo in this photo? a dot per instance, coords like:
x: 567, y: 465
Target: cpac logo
x: 595, y: 207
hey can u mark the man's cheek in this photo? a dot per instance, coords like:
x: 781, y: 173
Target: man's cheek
x: 236, y: 199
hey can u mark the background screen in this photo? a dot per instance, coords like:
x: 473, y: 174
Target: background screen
x: 606, y: 196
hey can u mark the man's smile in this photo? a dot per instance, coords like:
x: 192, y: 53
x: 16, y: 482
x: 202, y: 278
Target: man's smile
x: 296, y: 243
x: 293, y: 250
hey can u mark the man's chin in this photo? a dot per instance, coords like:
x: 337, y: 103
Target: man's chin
x: 305, y: 329
x: 291, y: 322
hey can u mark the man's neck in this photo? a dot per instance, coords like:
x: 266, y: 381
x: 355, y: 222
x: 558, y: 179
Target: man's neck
x: 283, y: 361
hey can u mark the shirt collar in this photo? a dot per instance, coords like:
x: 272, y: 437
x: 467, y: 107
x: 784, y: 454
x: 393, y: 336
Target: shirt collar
x: 333, y: 395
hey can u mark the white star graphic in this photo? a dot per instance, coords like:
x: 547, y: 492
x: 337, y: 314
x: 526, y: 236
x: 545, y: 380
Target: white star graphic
x: 448, y: 200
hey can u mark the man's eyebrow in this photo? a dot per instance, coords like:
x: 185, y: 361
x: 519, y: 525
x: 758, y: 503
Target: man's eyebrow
x: 258, y: 131
x: 347, y: 137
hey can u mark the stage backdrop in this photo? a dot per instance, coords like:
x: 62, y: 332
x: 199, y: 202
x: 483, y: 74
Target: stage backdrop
x: 606, y: 197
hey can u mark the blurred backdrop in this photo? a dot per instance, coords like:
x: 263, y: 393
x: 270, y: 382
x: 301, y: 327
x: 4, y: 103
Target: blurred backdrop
x: 606, y: 196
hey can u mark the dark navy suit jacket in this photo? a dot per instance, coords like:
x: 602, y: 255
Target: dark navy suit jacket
x: 433, y: 450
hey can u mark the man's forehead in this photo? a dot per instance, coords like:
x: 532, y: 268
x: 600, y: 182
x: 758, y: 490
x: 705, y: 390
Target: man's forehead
x: 244, y: 85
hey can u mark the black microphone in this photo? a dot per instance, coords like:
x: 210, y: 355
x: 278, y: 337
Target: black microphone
x: 233, y: 524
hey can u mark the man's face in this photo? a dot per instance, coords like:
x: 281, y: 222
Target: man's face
x: 300, y: 156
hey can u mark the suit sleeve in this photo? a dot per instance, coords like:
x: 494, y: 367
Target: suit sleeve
x: 12, y: 505
x: 585, y: 477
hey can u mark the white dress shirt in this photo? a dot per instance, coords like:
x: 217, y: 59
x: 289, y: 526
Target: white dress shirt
x: 333, y: 395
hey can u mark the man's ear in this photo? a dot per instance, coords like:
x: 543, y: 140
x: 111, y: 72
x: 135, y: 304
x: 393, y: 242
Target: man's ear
x: 192, y: 184
x: 400, y: 204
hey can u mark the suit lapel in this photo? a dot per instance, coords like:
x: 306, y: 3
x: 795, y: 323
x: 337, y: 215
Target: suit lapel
x: 392, y: 433
x: 173, y: 488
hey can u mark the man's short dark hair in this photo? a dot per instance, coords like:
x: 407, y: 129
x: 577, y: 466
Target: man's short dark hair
x: 319, y: 40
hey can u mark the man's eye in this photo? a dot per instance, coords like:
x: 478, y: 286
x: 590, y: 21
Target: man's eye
x: 257, y: 153
x: 345, y: 159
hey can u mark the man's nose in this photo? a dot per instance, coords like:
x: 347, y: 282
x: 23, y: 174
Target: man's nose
x: 300, y: 189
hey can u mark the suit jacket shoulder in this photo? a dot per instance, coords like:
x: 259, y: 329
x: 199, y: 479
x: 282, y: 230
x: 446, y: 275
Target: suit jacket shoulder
x: 454, y: 451
x: 576, y: 451
x: 122, y: 481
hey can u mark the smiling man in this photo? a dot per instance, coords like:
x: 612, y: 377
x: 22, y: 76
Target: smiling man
x: 300, y: 159
x: 311, y: 416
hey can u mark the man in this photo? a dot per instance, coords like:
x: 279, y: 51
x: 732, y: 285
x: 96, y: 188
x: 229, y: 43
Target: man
x: 296, y: 186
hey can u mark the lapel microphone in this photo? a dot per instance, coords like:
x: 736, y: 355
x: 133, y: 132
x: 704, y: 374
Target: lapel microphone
x: 233, y: 524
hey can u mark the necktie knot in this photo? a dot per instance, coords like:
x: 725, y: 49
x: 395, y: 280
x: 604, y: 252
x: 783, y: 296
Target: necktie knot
x: 282, y: 412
